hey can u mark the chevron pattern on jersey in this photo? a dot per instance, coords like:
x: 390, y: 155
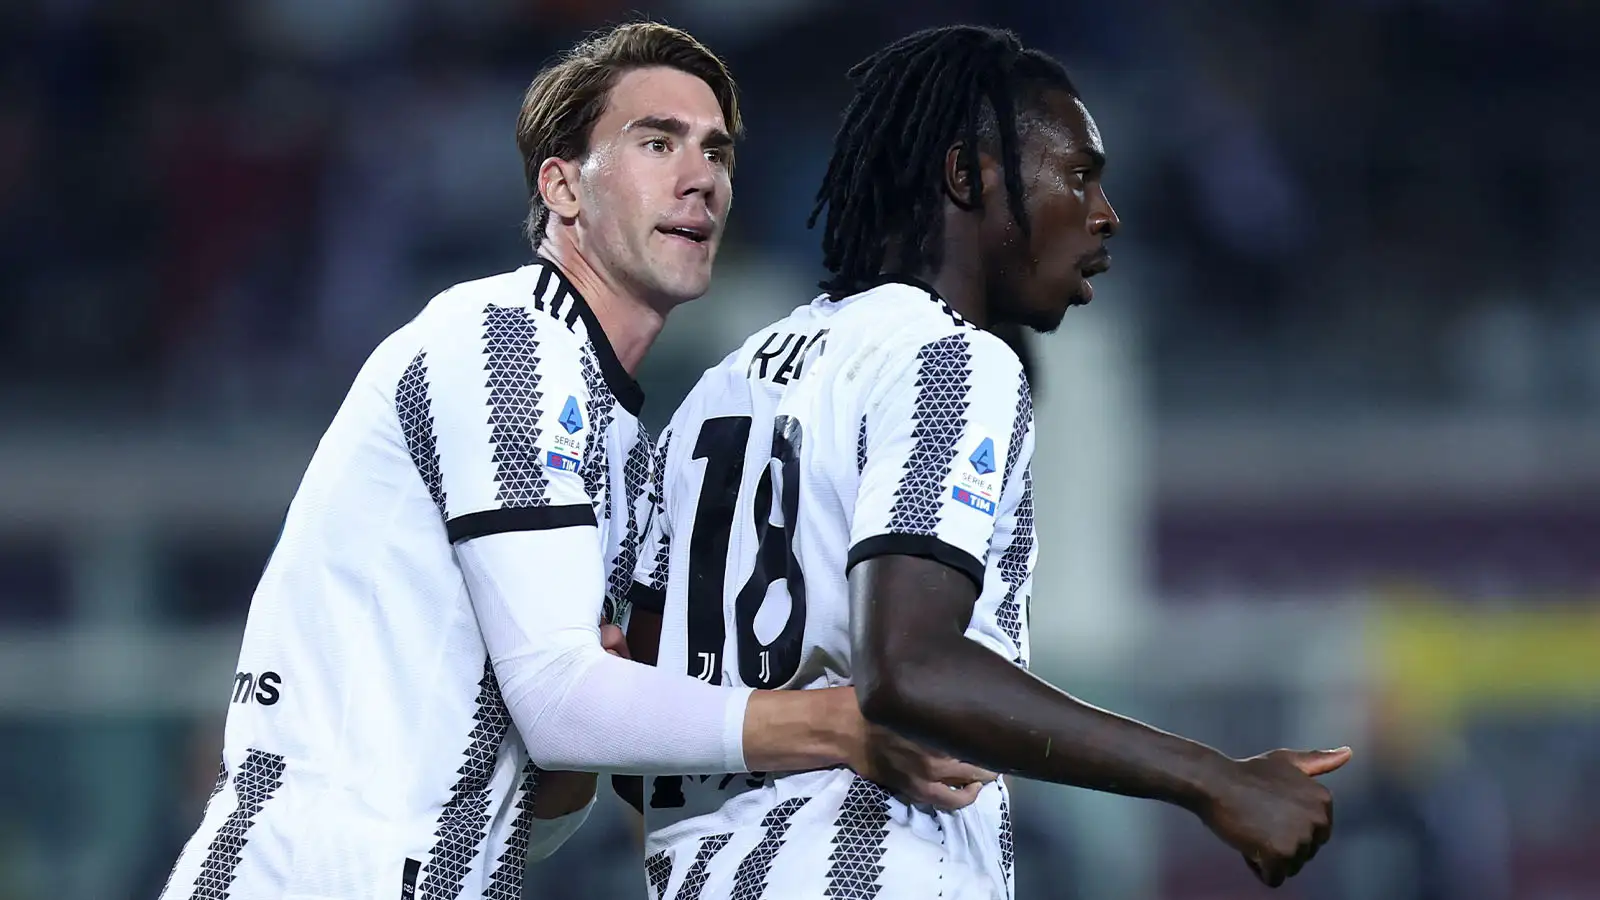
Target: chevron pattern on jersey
x: 858, y: 843
x: 222, y: 779
x: 694, y: 883
x: 1008, y: 857
x: 511, y: 342
x: 658, y: 870
x: 635, y: 476
x: 506, y: 881
x: 750, y: 881
x: 464, y: 823
x: 1014, y: 566
x: 861, y: 447
x: 258, y: 778
x: 658, y: 567
x: 1019, y: 428
x: 938, y: 420
x: 416, y: 421
x: 596, y: 467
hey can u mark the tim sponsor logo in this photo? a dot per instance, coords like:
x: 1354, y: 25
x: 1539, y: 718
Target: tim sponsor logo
x: 252, y: 688
x: 560, y: 461
x: 962, y: 495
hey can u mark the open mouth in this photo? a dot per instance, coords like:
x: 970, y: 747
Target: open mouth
x: 1099, y: 263
x: 688, y: 232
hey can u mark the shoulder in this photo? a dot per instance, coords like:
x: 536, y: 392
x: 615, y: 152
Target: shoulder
x: 505, y: 320
x: 932, y: 358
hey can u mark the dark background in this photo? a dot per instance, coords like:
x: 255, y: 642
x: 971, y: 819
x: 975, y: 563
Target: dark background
x: 1324, y: 450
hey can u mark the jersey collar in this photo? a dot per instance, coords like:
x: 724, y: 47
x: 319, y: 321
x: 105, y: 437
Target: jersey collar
x: 618, y: 381
x: 919, y: 284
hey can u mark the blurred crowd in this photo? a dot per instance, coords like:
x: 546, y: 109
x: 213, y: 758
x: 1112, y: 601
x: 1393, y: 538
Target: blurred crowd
x: 210, y: 212
x: 1325, y: 202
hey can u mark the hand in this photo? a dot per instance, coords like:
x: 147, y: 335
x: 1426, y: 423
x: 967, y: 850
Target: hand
x: 1270, y: 809
x: 917, y: 775
x: 615, y: 642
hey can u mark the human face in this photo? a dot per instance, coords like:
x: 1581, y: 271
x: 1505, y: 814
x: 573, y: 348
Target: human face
x: 655, y: 186
x: 1034, y: 279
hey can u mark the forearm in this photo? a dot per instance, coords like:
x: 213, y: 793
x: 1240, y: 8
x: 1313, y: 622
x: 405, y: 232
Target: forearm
x: 977, y: 706
x: 593, y: 712
x: 793, y: 731
x: 784, y: 731
x: 576, y: 707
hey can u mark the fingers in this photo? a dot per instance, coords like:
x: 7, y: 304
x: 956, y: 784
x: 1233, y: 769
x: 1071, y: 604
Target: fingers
x: 947, y: 797
x: 950, y: 772
x: 614, y: 641
x: 1270, y: 874
x: 1322, y: 833
x: 1319, y: 762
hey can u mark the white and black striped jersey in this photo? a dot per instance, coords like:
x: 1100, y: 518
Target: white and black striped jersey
x: 879, y: 424
x: 368, y: 750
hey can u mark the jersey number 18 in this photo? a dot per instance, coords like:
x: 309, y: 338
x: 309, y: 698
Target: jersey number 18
x: 722, y: 444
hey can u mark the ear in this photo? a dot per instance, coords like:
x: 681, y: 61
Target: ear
x: 958, y: 185
x: 558, y: 187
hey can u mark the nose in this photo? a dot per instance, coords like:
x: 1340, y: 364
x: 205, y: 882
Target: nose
x: 1103, y: 221
x: 697, y: 175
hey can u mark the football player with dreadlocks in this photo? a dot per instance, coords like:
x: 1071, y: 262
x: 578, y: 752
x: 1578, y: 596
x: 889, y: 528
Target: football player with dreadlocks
x: 848, y: 501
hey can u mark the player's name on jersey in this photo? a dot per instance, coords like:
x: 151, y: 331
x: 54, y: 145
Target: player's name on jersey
x: 794, y: 348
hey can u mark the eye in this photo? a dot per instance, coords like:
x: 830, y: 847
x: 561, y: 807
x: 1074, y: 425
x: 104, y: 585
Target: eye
x: 716, y: 155
x: 658, y: 145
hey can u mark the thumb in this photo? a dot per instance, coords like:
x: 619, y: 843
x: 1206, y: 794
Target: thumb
x: 1319, y: 762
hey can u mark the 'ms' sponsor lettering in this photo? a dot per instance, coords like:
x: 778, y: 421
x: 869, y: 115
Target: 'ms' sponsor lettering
x: 262, y: 689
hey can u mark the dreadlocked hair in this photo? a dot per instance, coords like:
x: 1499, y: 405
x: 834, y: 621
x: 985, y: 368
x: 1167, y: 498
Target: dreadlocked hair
x: 915, y: 99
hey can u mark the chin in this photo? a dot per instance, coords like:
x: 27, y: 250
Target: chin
x: 1045, y: 321
x: 681, y: 287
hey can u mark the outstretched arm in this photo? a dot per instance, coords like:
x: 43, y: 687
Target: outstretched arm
x: 943, y: 494
x: 919, y: 674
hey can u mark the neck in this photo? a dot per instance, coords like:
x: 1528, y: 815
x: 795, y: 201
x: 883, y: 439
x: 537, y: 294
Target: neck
x: 959, y: 282
x: 630, y: 322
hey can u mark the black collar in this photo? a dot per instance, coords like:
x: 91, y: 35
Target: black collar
x: 618, y: 381
x: 919, y: 284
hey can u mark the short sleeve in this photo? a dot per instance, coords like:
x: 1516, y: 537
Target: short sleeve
x: 649, y: 590
x: 500, y: 429
x: 938, y: 439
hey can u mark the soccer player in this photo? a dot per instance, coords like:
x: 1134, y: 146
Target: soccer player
x: 848, y: 501
x: 424, y: 645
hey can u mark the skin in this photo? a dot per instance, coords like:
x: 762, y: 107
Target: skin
x: 996, y: 275
x: 918, y: 674
x: 660, y: 158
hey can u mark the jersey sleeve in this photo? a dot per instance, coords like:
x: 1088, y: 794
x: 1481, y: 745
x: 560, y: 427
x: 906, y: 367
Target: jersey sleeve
x: 510, y: 415
x: 941, y: 431
x: 649, y: 590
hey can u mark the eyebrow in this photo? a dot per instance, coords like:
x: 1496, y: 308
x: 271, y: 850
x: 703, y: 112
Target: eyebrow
x: 1097, y: 159
x: 678, y: 128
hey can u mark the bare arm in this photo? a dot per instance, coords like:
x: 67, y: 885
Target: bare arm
x: 918, y: 674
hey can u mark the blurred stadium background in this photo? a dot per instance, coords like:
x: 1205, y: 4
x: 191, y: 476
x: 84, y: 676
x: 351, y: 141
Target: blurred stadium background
x: 1321, y: 465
